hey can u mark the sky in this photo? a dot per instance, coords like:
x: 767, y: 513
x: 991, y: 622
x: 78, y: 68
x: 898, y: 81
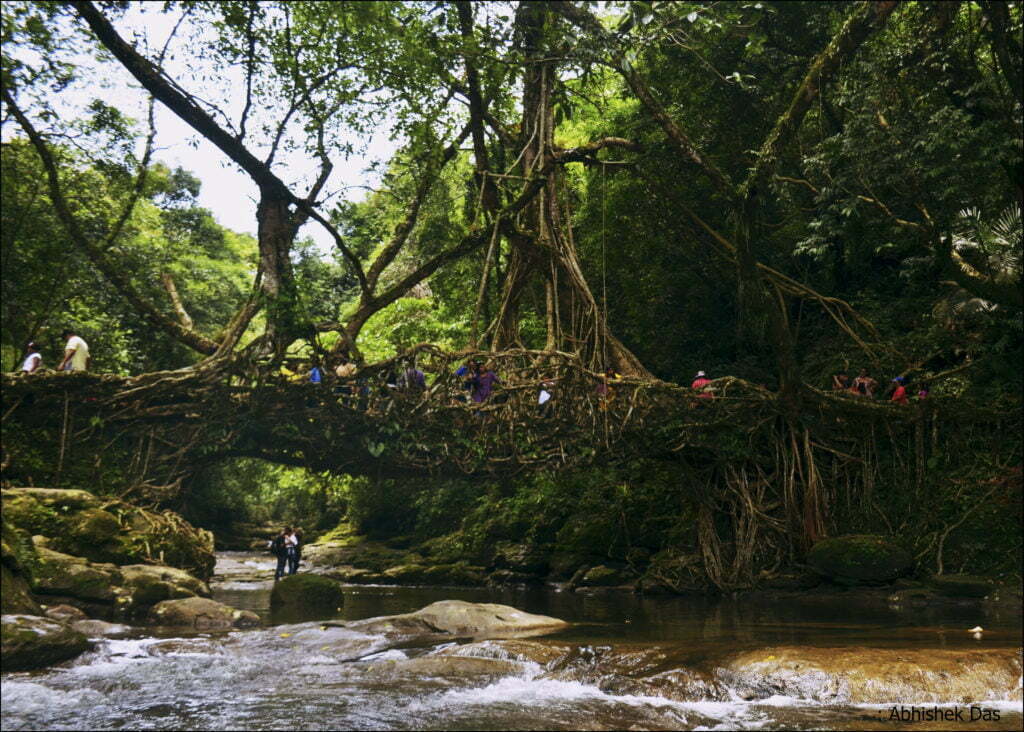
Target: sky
x: 226, y: 191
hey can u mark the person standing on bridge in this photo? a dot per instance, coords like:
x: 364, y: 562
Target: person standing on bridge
x: 700, y: 385
x: 32, y: 360
x: 413, y: 380
x: 899, y: 394
x: 483, y: 383
x: 76, y: 352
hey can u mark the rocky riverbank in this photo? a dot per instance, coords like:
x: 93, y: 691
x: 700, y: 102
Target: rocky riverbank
x: 872, y: 567
x: 73, y: 563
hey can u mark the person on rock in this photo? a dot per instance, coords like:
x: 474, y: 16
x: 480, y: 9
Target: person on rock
x: 33, y: 360
x: 279, y: 548
x: 76, y: 352
x: 294, y: 543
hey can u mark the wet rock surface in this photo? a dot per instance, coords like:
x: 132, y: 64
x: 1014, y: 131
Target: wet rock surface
x: 30, y: 642
x: 868, y: 675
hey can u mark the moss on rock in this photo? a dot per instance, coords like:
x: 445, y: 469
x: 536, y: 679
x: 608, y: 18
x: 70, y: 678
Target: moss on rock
x: 308, y: 592
x: 859, y: 558
x: 18, y: 560
x: 962, y: 585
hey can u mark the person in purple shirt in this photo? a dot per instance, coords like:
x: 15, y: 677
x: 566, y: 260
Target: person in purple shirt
x: 483, y: 383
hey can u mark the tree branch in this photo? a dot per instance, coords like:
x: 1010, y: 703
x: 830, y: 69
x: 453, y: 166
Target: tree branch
x: 95, y: 253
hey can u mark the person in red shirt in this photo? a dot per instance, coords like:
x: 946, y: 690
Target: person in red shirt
x: 899, y: 395
x: 699, y: 385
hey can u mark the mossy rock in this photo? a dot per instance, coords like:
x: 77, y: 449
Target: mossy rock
x: 63, y: 575
x: 29, y: 642
x: 29, y: 515
x: 962, y: 585
x: 113, y: 531
x: 307, y: 592
x: 521, y: 557
x: 406, y: 574
x: 859, y: 558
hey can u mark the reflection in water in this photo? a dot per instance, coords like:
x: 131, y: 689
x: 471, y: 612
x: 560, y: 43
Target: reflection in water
x: 598, y: 674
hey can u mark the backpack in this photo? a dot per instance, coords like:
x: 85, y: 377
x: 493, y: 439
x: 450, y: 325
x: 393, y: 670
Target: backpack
x: 276, y: 545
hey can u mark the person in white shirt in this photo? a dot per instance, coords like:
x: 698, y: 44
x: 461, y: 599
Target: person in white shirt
x: 32, y: 358
x: 76, y: 353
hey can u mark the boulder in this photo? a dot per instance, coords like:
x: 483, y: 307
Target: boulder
x: 64, y: 613
x: 307, y: 592
x: 564, y: 564
x: 202, y: 614
x: 511, y: 577
x: 859, y: 558
x: 62, y: 575
x: 524, y: 558
x: 149, y: 584
x: 18, y: 557
x: 962, y: 585
x: 30, y: 641
x: 604, y: 576
x: 464, y: 619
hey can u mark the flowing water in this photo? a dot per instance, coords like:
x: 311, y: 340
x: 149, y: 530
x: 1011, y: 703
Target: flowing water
x: 627, y: 662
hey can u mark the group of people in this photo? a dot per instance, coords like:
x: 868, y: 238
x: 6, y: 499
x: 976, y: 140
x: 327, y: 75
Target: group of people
x: 76, y: 355
x: 865, y: 387
x: 287, y: 547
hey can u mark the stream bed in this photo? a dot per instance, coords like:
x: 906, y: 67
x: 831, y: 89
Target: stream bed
x: 626, y: 662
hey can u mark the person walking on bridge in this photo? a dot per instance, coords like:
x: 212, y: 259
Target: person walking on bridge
x: 76, y: 352
x: 700, y: 385
x: 32, y: 360
x: 483, y: 384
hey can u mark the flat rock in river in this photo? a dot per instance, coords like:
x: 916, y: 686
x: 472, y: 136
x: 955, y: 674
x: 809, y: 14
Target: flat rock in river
x: 466, y: 619
x: 877, y: 675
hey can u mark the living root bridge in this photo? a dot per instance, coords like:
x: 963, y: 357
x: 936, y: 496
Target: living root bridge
x: 765, y: 483
x: 191, y: 418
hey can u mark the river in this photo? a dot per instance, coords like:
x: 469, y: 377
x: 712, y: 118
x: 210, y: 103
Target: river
x: 627, y: 662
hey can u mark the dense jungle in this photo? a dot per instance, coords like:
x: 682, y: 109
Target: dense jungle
x: 690, y: 300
